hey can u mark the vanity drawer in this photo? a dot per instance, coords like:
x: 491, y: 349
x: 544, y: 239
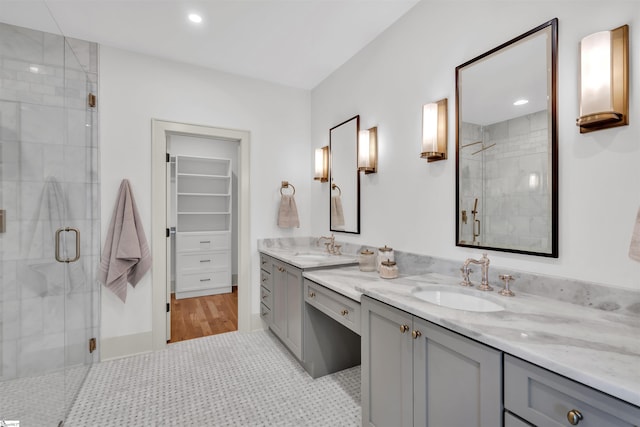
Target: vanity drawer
x: 511, y: 420
x: 265, y: 313
x: 265, y: 297
x: 265, y: 280
x: 334, y: 305
x: 203, y: 261
x: 265, y: 263
x: 197, y: 242
x: 545, y: 399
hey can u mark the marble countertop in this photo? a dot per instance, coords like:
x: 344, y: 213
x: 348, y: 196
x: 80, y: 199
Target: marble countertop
x: 598, y: 348
x: 309, y: 257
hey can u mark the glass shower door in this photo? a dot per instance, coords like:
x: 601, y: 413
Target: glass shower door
x: 48, y: 189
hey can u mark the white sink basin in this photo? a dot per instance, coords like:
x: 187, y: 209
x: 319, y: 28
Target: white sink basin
x: 312, y: 256
x: 458, y: 301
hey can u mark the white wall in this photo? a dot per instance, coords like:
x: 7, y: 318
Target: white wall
x: 136, y: 88
x: 410, y: 205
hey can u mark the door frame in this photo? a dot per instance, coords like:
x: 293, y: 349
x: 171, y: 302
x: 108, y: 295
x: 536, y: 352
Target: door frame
x: 160, y: 129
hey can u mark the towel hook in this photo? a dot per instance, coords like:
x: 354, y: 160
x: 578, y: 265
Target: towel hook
x: 334, y: 187
x: 285, y: 184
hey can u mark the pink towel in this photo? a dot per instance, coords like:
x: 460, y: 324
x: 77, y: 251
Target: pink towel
x: 125, y: 257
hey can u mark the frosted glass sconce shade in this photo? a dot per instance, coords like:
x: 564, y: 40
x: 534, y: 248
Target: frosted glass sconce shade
x: 434, y: 131
x: 604, y: 80
x: 322, y: 164
x: 368, y: 150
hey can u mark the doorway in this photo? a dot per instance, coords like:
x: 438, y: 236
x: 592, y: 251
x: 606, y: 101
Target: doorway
x: 162, y: 134
x: 202, y: 214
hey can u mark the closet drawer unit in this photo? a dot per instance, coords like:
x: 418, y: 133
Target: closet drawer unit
x: 265, y: 280
x: 265, y: 297
x: 265, y: 313
x: 206, y: 280
x: 202, y: 242
x: 334, y: 305
x: 265, y: 263
x: 203, y: 261
x: 546, y: 399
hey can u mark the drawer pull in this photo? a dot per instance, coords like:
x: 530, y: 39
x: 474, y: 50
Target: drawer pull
x: 264, y: 262
x: 205, y: 241
x: 404, y: 328
x: 264, y: 296
x: 574, y: 416
x: 281, y: 269
x: 312, y: 294
x: 205, y: 280
x: 416, y: 334
x: 264, y: 313
x: 205, y: 260
x: 345, y: 312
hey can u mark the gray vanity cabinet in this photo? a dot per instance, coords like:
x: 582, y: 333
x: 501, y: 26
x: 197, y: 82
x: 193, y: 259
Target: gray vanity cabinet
x: 415, y: 373
x: 287, y: 303
x: 546, y: 399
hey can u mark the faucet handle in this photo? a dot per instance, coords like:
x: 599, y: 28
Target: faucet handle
x: 506, y: 278
x: 465, y: 270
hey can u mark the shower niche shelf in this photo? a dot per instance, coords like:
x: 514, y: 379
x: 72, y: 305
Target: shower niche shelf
x: 203, y: 226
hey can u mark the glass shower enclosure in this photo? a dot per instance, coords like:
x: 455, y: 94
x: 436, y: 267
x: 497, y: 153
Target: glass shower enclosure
x: 49, y: 223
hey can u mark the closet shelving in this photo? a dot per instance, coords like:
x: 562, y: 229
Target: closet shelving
x: 203, y: 226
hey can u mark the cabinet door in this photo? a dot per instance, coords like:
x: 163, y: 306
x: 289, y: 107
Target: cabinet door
x: 279, y: 298
x: 295, y: 300
x: 386, y: 366
x: 457, y: 381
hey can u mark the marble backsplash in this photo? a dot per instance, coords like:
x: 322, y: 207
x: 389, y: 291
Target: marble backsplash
x: 588, y: 294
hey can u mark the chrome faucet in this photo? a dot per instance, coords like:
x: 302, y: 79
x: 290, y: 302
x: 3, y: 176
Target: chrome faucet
x: 331, y: 246
x: 484, y: 264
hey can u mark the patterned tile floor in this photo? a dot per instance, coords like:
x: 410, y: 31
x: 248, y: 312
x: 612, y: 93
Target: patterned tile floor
x: 232, y: 379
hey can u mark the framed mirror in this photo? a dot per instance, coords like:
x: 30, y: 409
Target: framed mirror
x: 344, y: 179
x: 507, y: 148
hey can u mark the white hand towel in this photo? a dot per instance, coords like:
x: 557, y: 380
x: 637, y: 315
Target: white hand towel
x: 337, y: 214
x: 288, y: 212
x: 125, y: 257
x: 634, y: 248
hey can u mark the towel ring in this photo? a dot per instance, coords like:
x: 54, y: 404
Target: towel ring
x: 285, y: 184
x: 334, y: 186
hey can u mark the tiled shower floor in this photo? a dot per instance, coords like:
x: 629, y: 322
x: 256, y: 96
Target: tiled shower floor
x: 232, y: 379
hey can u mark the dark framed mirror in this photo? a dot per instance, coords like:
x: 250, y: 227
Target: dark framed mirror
x: 507, y: 147
x: 344, y: 179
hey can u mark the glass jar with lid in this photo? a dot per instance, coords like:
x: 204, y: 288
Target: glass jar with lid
x: 384, y: 254
x: 388, y: 269
x: 367, y: 260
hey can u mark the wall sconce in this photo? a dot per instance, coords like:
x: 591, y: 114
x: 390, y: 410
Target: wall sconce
x: 368, y: 150
x: 604, y: 80
x: 434, y: 131
x: 322, y: 164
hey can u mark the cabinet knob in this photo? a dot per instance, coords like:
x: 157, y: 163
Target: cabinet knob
x: 264, y: 313
x: 345, y: 312
x: 264, y: 296
x: 280, y: 269
x: 404, y: 328
x: 264, y: 262
x: 264, y: 279
x: 574, y: 416
x: 416, y: 334
x: 312, y: 294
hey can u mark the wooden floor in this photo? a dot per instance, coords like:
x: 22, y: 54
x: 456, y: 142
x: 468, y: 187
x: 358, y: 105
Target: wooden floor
x: 203, y: 316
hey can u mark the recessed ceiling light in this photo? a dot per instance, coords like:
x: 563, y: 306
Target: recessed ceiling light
x: 521, y: 102
x: 195, y: 18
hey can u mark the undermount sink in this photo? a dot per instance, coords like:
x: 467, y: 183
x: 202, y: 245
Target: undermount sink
x: 456, y: 300
x: 311, y: 256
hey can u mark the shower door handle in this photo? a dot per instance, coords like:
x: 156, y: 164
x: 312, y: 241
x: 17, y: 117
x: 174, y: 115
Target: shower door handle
x: 67, y: 229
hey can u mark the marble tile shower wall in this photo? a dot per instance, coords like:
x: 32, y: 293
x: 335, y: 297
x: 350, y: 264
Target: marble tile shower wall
x: 515, y: 199
x: 48, y: 171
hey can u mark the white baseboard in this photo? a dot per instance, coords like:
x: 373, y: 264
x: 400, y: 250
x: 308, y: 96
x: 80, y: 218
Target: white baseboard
x: 124, y: 346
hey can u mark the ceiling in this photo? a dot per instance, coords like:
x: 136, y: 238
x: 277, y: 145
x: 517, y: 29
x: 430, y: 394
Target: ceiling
x: 296, y: 43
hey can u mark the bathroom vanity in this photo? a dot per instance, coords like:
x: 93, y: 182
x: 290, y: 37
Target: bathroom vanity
x: 525, y: 361
x: 302, y: 328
